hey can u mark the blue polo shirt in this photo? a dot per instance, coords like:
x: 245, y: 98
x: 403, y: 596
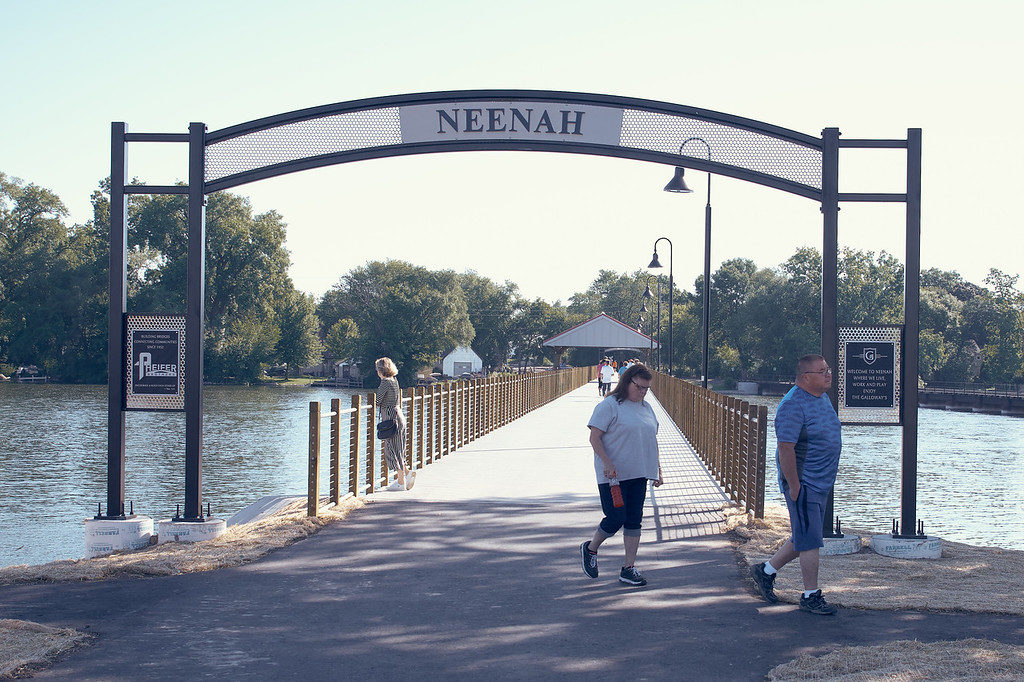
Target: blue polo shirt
x: 813, y: 425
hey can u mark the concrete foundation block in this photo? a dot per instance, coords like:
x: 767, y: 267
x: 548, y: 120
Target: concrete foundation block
x: 848, y: 544
x: 907, y: 548
x: 746, y: 387
x: 103, y: 536
x: 209, y: 528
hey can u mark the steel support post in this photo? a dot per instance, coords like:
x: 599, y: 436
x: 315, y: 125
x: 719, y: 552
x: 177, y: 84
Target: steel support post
x: 671, y: 288
x: 911, y: 310
x: 194, y: 310
x: 830, y: 276
x: 707, y: 289
x: 118, y: 306
x: 659, y: 322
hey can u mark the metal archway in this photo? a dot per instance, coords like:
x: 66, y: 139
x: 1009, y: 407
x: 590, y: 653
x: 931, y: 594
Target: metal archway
x: 489, y: 120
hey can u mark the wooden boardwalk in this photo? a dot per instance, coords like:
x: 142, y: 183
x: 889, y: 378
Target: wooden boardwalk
x: 545, y: 458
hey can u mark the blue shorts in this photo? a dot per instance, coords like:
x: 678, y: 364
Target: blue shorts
x: 806, y: 518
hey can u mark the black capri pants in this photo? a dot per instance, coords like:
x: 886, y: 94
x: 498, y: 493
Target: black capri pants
x: 630, y: 515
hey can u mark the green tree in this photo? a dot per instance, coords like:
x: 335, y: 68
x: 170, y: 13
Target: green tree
x: 1004, y: 351
x: 247, y: 284
x: 934, y: 353
x: 341, y: 339
x: 246, y: 347
x: 402, y: 311
x: 963, y: 365
x: 870, y: 288
x: 299, y: 342
x: 539, y: 321
x: 951, y: 282
x: 493, y: 309
x: 619, y: 295
x: 52, y: 286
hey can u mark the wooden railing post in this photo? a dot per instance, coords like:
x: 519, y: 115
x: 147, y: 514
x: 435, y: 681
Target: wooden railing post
x: 474, y: 408
x: 467, y: 411
x: 762, y: 447
x: 749, y: 458
x: 353, y: 444
x: 410, y: 425
x: 456, y: 414
x: 371, y: 444
x: 729, y: 435
x: 448, y: 400
x: 335, y: 450
x: 438, y: 431
x: 313, y: 471
x: 421, y: 398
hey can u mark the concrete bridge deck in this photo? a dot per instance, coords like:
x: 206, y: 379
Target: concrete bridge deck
x: 474, y: 575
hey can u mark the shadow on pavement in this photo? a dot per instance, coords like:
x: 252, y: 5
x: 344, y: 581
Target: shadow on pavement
x: 407, y: 588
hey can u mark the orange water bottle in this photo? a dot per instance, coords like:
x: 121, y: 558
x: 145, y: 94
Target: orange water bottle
x: 617, y: 500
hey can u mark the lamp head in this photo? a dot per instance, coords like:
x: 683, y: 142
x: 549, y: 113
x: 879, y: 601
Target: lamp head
x: 643, y: 308
x: 648, y: 294
x: 678, y: 183
x: 655, y: 263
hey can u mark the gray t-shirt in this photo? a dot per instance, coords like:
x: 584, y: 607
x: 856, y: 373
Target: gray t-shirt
x: 630, y: 438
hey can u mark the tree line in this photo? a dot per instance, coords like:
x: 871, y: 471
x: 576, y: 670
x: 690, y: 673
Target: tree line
x: 53, y: 302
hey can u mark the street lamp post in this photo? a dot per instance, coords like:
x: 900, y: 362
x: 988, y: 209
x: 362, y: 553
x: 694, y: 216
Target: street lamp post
x: 677, y: 184
x: 648, y: 295
x: 655, y: 263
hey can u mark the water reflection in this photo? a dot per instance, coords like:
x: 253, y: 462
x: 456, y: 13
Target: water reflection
x: 53, y: 461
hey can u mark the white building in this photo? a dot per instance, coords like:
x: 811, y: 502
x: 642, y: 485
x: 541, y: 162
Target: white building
x: 460, y: 361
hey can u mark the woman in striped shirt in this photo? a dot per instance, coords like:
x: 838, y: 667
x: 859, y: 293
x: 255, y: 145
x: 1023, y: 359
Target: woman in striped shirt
x: 389, y: 406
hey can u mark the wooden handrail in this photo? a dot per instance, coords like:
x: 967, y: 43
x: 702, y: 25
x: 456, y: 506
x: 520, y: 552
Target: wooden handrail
x: 728, y: 434
x: 439, y: 420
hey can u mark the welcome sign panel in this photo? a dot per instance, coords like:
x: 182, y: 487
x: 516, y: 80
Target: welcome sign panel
x: 155, y: 359
x: 511, y: 120
x: 869, y: 375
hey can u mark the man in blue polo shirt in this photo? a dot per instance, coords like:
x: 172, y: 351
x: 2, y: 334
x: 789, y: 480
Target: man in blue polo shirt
x: 810, y: 440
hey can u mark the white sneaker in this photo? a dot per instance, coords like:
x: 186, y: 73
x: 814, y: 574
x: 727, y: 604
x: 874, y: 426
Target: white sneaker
x: 410, y: 480
x: 394, y: 487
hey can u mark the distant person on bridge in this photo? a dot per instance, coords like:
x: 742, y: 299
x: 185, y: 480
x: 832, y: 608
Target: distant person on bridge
x: 389, y: 406
x: 810, y: 441
x: 604, y: 378
x: 624, y: 435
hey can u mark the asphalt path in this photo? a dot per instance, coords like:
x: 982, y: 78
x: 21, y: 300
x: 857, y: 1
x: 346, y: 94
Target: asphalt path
x: 474, y: 574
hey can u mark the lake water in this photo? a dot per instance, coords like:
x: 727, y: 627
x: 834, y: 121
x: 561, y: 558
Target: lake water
x: 53, y: 465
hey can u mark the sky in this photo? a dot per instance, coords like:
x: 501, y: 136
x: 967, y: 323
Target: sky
x: 548, y: 222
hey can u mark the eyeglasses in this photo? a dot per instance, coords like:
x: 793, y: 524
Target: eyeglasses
x: 827, y: 370
x: 639, y: 386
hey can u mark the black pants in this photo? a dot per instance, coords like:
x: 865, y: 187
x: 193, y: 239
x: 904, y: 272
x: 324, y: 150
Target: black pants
x: 630, y: 515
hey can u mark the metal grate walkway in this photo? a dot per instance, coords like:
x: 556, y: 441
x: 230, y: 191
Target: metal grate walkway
x: 690, y: 502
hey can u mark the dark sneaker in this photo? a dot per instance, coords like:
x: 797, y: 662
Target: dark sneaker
x: 631, y: 576
x: 589, y: 560
x: 765, y: 583
x: 817, y: 604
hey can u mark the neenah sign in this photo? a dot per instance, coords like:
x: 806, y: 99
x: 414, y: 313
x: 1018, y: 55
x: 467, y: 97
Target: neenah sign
x: 549, y: 121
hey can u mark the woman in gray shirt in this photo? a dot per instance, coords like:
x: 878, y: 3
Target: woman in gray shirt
x: 623, y: 433
x: 389, y: 406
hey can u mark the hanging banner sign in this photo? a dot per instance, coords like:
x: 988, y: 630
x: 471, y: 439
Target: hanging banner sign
x: 155, y: 360
x: 511, y: 120
x: 870, y: 361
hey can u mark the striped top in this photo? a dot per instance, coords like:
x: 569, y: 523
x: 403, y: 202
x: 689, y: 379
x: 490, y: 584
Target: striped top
x: 388, y: 392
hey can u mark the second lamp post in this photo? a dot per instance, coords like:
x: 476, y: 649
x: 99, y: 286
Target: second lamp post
x: 678, y: 184
x: 655, y: 263
x: 648, y: 296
